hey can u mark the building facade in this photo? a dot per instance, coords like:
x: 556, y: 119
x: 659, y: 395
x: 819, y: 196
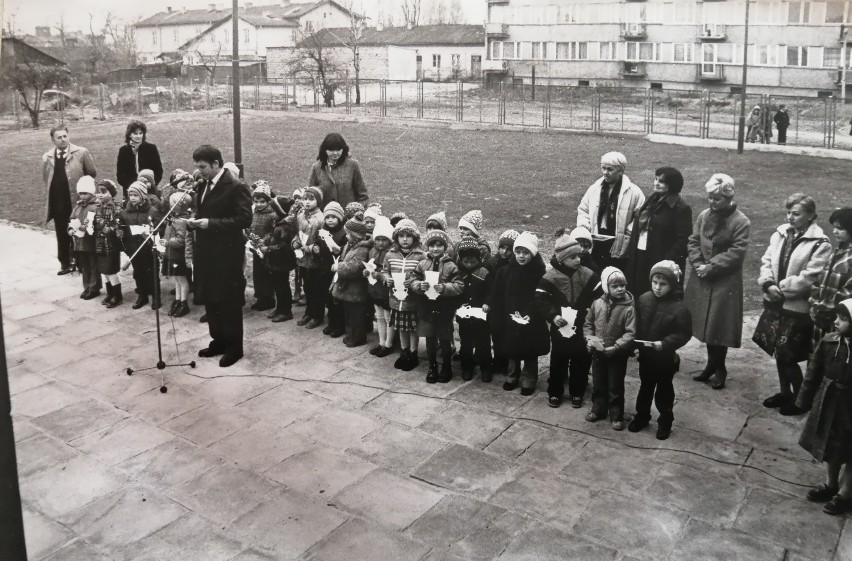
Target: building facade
x: 794, y: 47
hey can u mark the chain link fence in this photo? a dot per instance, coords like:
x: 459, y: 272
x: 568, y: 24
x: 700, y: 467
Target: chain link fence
x: 693, y: 113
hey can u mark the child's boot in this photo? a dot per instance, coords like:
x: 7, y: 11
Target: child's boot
x: 432, y: 375
x: 105, y: 301
x: 486, y: 373
x: 638, y: 423
x: 446, y: 373
x: 117, y: 297
x: 182, y: 309
x: 174, y: 307
x: 399, y: 364
x: 411, y: 362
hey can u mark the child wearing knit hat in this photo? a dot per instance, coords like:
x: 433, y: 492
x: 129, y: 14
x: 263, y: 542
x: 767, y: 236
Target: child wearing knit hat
x: 401, y: 260
x: 299, y: 272
x: 263, y: 222
x: 437, y: 303
x: 663, y: 325
x: 567, y: 285
x: 374, y: 211
x: 331, y: 239
x: 609, y: 329
x: 281, y: 260
x: 520, y: 329
x: 471, y: 225
x: 584, y: 238
x: 377, y: 289
x: 474, y: 335
x: 396, y: 217
x: 107, y: 244
x: 350, y: 288
x: 139, y: 213
x: 310, y: 220
x: 177, y: 261
x: 82, y: 235
x: 352, y: 209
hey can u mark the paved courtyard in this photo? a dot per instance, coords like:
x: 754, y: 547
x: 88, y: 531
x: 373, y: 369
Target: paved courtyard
x: 307, y: 450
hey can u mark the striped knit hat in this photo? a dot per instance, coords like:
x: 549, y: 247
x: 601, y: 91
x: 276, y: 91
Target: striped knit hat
x: 356, y: 227
x: 354, y: 208
x: 472, y: 221
x: 437, y: 235
x: 406, y: 226
x: 317, y: 194
x: 508, y: 238
x: 334, y: 209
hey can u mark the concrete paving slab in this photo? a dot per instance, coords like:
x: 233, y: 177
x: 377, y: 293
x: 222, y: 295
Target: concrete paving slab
x: 789, y: 475
x: 45, y: 399
x: 707, y: 497
x: 465, y: 424
x: 224, y: 493
x: 391, y: 500
x: 489, y: 397
x: 794, y: 523
x: 120, y: 388
x: 25, y: 340
x: 124, y: 517
x: 40, y: 452
x: 516, y: 439
x: 709, y: 454
x: 554, y: 451
x: 23, y: 429
x: 259, y: 446
x: 283, y: 405
x: 708, y: 417
x: 209, y: 423
x: 844, y: 545
x: 335, y: 428
x: 408, y: 410
x: 396, y: 447
x: 171, y: 464
x: 341, y: 391
x: 288, y: 524
x: 79, y: 419
x: 544, y: 495
x: 467, y: 470
x: 705, y: 542
x: 233, y: 391
x: 320, y: 473
x: 626, y: 472
x: 27, y: 310
x: 23, y: 379
x: 774, y: 435
x: 253, y: 554
x: 43, y: 535
x: 48, y: 321
x: 121, y: 441
x: 73, y: 335
x: 543, y: 542
x: 157, y: 408
x: 357, y: 539
x: 83, y: 373
x: 78, y: 550
x: 67, y: 487
x: 189, y: 538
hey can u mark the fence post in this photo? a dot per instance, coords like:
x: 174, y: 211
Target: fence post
x: 139, y: 109
x: 833, y: 121
x: 459, y: 101
x: 420, y: 99
x: 348, y: 95
x: 101, y: 96
x: 16, y: 103
x: 501, y: 106
x: 384, y: 105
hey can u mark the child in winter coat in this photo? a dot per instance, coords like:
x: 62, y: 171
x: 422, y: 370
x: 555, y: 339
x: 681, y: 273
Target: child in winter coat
x: 664, y: 325
x: 513, y: 316
x: 330, y: 246
x: 281, y: 260
x: 81, y: 230
x: 827, y: 392
x: 567, y: 285
x: 350, y: 288
x: 147, y: 177
x: 139, y: 215
x: 263, y: 222
x: 177, y: 261
x: 836, y: 283
x: 474, y: 335
x: 310, y: 221
x: 402, y: 259
x: 378, y: 290
x: 505, y: 255
x: 353, y: 209
x: 584, y: 238
x: 435, y: 314
x: 373, y: 213
x: 471, y: 225
x: 299, y: 273
x: 609, y: 330
x: 107, y: 245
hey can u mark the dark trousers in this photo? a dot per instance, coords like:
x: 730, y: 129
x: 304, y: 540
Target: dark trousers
x: 601, y: 256
x: 474, y: 343
x: 656, y: 374
x: 789, y: 377
x: 262, y: 279
x: 782, y: 136
x: 336, y: 317
x: 432, y: 344
x: 88, y: 265
x: 526, y: 376
x: 143, y: 271
x: 316, y: 284
x: 355, y: 319
x: 63, y: 240
x: 572, y: 361
x: 225, y: 320
x: 298, y: 281
x: 283, y: 294
x: 608, y: 386
x: 500, y: 362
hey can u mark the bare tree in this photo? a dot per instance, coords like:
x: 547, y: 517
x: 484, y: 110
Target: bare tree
x: 439, y: 14
x: 30, y: 74
x: 98, y: 53
x: 60, y: 28
x: 210, y: 64
x: 314, y: 58
x: 121, y: 40
x: 412, y: 11
x: 357, y: 23
x: 455, y: 15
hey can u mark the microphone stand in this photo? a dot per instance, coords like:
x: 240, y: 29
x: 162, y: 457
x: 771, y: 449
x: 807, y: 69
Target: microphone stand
x: 155, y: 256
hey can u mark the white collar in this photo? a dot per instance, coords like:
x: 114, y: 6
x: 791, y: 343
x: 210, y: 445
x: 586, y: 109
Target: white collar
x: 216, y: 179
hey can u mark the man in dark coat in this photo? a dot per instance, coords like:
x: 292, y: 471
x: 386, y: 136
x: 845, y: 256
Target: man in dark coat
x: 782, y: 121
x: 224, y: 211
x: 62, y: 167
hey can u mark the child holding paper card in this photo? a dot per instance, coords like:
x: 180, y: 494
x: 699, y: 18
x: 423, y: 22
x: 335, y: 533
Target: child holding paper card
x: 563, y: 296
x: 350, y: 288
x: 663, y: 325
x: 136, y: 221
x: 474, y: 335
x: 330, y: 241
x: 310, y: 221
x: 401, y: 260
x: 437, y: 281
x: 80, y: 228
x: 377, y: 289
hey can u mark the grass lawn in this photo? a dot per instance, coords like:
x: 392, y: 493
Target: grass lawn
x: 524, y: 180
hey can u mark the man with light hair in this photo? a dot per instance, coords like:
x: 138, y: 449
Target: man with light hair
x: 606, y: 210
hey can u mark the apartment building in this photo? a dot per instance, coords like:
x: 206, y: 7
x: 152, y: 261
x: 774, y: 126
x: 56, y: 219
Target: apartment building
x: 794, y: 47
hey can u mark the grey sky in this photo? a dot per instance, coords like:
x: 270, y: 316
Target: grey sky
x: 27, y: 14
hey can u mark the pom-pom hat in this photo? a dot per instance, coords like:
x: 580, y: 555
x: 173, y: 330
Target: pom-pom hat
x: 356, y: 227
x: 383, y: 228
x: 334, y: 209
x: 406, y: 226
x: 437, y: 235
x: 669, y: 269
x: 316, y: 192
x: 472, y: 221
x: 439, y: 218
x: 565, y: 247
x: 468, y: 247
x: 262, y: 190
x: 508, y: 238
x: 139, y: 188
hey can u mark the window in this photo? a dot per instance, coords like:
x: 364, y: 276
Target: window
x: 683, y: 12
x: 683, y: 52
x: 834, y: 12
x: 831, y: 57
x: 773, y: 12
x: 657, y: 86
x: 176, y: 36
x: 642, y: 51
x: 509, y: 49
x: 572, y: 51
x: 797, y: 56
x: 608, y: 50
x: 212, y: 38
x: 436, y: 61
x: 496, y: 50
x: 582, y: 82
x: 798, y: 12
x: 309, y: 26
x: 764, y: 55
x: 539, y: 50
x: 456, y: 60
x: 154, y: 38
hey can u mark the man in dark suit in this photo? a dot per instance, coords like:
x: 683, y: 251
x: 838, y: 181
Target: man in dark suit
x: 224, y: 211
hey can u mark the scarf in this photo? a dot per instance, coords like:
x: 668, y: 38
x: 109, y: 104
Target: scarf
x: 716, y: 220
x: 652, y: 204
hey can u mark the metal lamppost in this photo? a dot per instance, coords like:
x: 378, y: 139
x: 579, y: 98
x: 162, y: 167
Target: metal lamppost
x: 235, y: 85
x: 741, y: 133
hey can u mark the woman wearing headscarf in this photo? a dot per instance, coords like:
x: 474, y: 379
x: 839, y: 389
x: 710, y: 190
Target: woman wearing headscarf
x: 714, y: 278
x: 136, y: 155
x: 606, y: 211
x: 661, y: 229
x: 338, y: 174
x: 791, y: 266
x: 755, y: 125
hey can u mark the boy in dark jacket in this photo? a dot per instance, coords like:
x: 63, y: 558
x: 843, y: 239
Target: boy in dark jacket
x: 350, y: 288
x: 330, y: 241
x: 263, y: 222
x: 663, y: 325
x: 567, y: 285
x: 474, y: 335
x: 281, y: 259
x: 435, y: 314
x: 504, y: 256
x: 139, y: 213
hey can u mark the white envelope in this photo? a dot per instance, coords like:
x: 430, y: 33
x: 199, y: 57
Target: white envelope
x: 466, y: 312
x: 432, y: 277
x: 299, y: 253
x: 90, y: 227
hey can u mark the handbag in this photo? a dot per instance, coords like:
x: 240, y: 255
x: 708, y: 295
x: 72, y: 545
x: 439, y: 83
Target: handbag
x: 768, y: 329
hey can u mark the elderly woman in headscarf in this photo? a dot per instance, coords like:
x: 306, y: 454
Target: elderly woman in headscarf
x: 660, y: 232
x: 791, y: 266
x: 606, y: 211
x: 754, y: 122
x: 714, y: 278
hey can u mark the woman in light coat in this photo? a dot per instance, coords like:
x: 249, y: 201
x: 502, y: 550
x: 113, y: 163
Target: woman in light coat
x: 714, y: 276
x: 791, y: 266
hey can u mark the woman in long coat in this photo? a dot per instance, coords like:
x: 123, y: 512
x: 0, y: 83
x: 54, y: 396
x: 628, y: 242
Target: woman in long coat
x: 137, y: 154
x: 714, y: 277
x: 337, y: 173
x: 661, y: 229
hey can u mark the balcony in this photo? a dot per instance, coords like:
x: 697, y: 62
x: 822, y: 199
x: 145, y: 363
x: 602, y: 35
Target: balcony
x: 710, y: 32
x: 495, y: 66
x: 497, y: 30
x: 498, y: 1
x: 634, y: 31
x: 710, y: 72
x: 632, y: 69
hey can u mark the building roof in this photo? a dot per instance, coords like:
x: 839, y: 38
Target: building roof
x: 21, y: 48
x: 283, y: 14
x: 421, y: 35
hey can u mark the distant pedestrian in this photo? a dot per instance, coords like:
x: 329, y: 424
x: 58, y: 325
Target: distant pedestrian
x: 754, y: 122
x: 782, y: 122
